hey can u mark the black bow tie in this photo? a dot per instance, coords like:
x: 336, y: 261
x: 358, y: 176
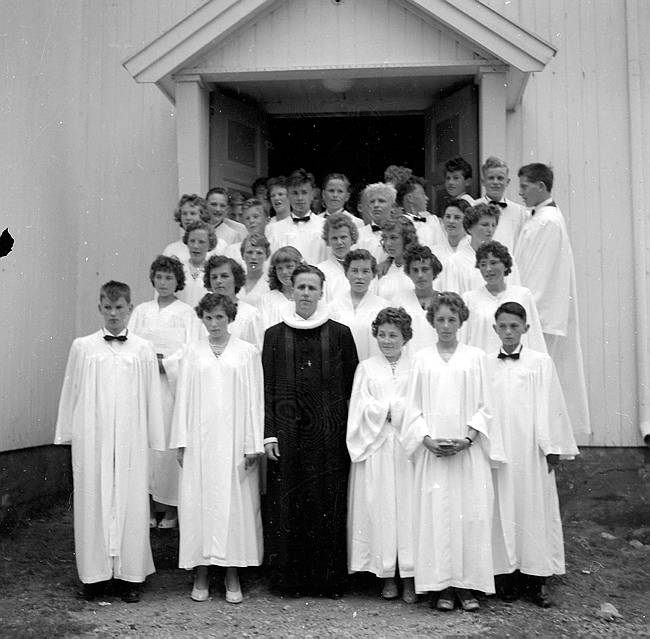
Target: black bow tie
x: 115, y: 338
x: 503, y: 205
x: 375, y: 228
x: 503, y: 355
x: 417, y: 218
x: 297, y: 220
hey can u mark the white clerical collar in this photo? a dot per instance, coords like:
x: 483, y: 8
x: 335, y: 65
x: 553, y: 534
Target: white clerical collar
x: 291, y: 318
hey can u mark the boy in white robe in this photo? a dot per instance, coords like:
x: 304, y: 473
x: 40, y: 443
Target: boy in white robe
x: 169, y: 325
x: 110, y: 411
x: 449, y: 433
x: 545, y: 260
x: 529, y: 404
x: 380, y: 517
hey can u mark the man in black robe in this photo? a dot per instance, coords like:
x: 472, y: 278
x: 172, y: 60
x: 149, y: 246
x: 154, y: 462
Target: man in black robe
x: 309, y: 363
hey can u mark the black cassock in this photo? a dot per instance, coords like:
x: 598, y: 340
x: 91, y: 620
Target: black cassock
x: 308, y: 376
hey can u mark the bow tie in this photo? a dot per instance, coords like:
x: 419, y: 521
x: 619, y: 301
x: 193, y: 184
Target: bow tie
x: 503, y: 205
x: 375, y: 228
x: 551, y: 203
x: 297, y: 220
x: 417, y: 218
x: 115, y: 338
x: 503, y: 355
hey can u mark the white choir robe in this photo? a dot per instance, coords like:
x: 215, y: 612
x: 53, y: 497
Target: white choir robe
x: 247, y: 325
x: 359, y: 320
x: 371, y: 241
x: 453, y: 495
x: 194, y: 289
x: 180, y: 251
x: 234, y: 251
x: 254, y: 296
x: 429, y: 232
x: 460, y: 274
x: 424, y: 335
x: 548, y: 270
x: 336, y: 283
x: 478, y: 329
x: 511, y: 221
x: 231, y: 231
x: 111, y: 412
x: 443, y: 250
x: 272, y: 305
x: 218, y: 418
x: 169, y: 329
x: 530, y: 407
x: 380, y: 513
x: 304, y: 236
x: 393, y: 283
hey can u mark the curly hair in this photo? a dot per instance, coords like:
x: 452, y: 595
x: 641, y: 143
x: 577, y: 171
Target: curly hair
x: 360, y: 255
x: 498, y: 250
x: 459, y: 164
x: 165, y: 264
x: 210, y: 301
x: 336, y: 221
x: 453, y: 301
x: 201, y: 226
x: 474, y: 213
x: 216, y: 261
x: 406, y: 228
x: 419, y: 253
x: 397, y: 174
x: 197, y: 202
x: 388, y: 190
x: 283, y: 254
x: 256, y: 239
x: 397, y: 317
x: 301, y: 269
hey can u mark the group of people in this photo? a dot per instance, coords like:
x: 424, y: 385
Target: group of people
x: 298, y: 391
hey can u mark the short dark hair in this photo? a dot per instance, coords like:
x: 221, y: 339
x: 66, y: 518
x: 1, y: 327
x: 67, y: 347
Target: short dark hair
x: 201, y: 226
x: 396, y: 316
x: 300, y: 176
x: 234, y: 194
x: 210, y: 301
x: 221, y: 190
x: 499, y: 251
x: 337, y: 176
x: 336, y: 221
x: 538, y: 172
x: 474, y: 213
x: 301, y: 269
x: 113, y: 290
x: 196, y: 201
x: 513, y: 308
x: 419, y: 253
x: 451, y: 300
x: 279, y: 180
x: 216, y: 261
x: 459, y: 164
x: 463, y: 205
x: 283, y: 254
x: 253, y: 203
x: 261, y: 181
x: 358, y: 255
x: 256, y: 239
x: 404, y: 188
x: 167, y: 264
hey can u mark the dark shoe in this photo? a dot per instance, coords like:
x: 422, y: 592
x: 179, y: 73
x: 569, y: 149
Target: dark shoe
x: 467, y: 600
x: 541, y: 598
x: 507, y: 587
x: 445, y: 601
x: 88, y: 592
x: 129, y: 592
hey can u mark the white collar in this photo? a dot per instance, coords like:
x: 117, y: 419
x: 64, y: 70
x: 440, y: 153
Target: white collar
x: 291, y: 318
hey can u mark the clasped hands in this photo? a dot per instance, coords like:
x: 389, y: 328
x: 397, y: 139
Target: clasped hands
x: 445, y: 447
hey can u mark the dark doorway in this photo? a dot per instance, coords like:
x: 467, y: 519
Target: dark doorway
x: 361, y: 146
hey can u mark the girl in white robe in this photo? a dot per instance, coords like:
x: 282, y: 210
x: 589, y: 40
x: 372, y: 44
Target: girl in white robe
x: 448, y: 431
x: 397, y: 235
x: 358, y: 307
x: 527, y: 536
x: 494, y: 263
x: 280, y: 297
x: 254, y: 252
x: 169, y: 325
x: 200, y: 239
x: 217, y: 428
x: 380, y: 517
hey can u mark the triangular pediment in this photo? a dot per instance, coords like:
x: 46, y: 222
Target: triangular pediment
x: 226, y: 38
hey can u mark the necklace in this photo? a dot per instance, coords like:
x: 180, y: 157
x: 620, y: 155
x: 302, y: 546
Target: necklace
x: 218, y: 349
x: 195, y: 271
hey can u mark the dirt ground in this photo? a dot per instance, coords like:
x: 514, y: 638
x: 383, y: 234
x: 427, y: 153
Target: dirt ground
x: 38, y: 583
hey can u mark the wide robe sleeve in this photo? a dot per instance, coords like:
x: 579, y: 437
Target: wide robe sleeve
x: 270, y: 353
x: 185, y: 393
x: 69, y: 394
x: 367, y: 425
x: 253, y: 387
x: 414, y: 427
x: 553, y: 429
